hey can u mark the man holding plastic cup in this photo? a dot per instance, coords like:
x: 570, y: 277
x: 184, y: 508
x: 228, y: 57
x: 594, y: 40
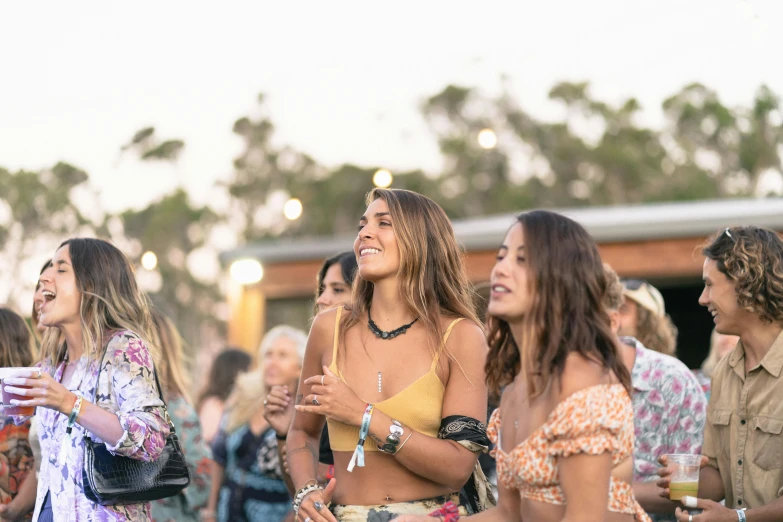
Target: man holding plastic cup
x: 743, y: 438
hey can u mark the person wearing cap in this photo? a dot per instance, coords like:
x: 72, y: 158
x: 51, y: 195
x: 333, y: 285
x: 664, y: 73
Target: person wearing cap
x: 743, y: 440
x: 643, y: 316
x: 669, y: 408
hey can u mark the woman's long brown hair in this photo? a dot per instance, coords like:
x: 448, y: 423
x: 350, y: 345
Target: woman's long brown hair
x: 567, y: 314
x: 433, y: 279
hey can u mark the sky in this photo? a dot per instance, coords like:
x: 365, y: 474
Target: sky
x: 343, y: 80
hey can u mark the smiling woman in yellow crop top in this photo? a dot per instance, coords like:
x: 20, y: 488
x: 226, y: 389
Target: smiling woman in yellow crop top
x: 407, y: 354
x: 564, y: 429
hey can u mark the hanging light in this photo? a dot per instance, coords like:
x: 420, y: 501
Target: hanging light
x: 246, y: 271
x: 382, y: 178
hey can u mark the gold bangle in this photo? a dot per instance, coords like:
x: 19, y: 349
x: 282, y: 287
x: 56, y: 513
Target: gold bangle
x: 403, y: 442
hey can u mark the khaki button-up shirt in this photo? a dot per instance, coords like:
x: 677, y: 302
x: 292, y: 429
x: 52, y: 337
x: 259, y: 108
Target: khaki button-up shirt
x: 743, y: 437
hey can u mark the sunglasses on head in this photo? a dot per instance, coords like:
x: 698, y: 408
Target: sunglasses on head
x: 633, y: 284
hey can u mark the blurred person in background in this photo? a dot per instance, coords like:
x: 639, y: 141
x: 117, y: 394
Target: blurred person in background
x: 669, y: 408
x: 45, y: 276
x: 247, y: 482
x: 222, y: 377
x: 334, y: 281
x: 24, y: 501
x: 184, y: 506
x: 333, y: 288
x: 643, y: 317
x: 16, y: 456
x: 720, y: 346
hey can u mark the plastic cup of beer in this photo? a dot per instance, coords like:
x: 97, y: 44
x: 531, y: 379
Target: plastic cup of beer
x: 11, y: 409
x: 685, y: 475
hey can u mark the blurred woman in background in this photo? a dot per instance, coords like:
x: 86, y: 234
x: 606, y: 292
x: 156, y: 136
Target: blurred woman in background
x: 333, y: 288
x: 24, y: 501
x: 222, y: 377
x: 16, y: 456
x: 247, y: 483
x: 174, y: 380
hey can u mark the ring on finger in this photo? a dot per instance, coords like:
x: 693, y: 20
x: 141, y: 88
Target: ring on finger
x: 318, y: 506
x: 308, y: 519
x: 322, y: 379
x: 315, y: 400
x: 265, y: 401
x: 690, y: 518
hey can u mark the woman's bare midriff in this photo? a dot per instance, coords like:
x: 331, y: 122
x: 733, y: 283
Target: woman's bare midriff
x: 545, y: 512
x: 382, y: 480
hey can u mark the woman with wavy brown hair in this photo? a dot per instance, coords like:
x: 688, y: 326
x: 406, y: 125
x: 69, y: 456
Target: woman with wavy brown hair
x: 96, y: 378
x: 564, y: 430
x: 397, y: 375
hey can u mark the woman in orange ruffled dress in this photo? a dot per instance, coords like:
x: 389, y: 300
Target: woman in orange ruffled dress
x: 564, y: 430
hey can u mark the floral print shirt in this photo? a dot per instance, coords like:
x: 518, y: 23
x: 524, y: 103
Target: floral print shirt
x: 185, y: 506
x: 125, y: 387
x: 669, y: 411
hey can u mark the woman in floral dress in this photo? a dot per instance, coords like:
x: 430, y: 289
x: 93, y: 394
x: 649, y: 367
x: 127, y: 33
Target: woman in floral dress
x: 96, y: 350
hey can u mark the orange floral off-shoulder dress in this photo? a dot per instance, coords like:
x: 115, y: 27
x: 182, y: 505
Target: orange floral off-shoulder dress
x: 593, y: 420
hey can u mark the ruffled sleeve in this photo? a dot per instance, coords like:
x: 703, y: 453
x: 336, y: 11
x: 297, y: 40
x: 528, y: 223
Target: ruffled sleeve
x: 591, y: 421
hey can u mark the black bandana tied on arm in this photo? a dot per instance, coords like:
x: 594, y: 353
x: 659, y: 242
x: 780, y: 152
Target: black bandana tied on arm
x: 470, y: 433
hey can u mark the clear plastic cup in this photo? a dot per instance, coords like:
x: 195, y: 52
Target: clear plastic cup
x: 8, y: 408
x: 685, y: 475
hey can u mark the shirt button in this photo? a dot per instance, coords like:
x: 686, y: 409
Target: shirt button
x: 739, y: 502
x: 739, y: 462
x: 742, y: 422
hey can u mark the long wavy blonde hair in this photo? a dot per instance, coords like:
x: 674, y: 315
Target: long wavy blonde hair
x: 171, y: 372
x: 432, y: 275
x: 110, y: 300
x: 250, y: 390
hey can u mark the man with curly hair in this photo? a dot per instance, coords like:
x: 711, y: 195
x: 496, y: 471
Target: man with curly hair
x: 643, y: 316
x: 743, y: 438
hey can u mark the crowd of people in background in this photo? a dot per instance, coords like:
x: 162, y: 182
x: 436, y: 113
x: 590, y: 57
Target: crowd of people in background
x: 381, y: 411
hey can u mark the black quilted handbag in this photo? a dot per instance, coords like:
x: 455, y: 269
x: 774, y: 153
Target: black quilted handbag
x: 111, y: 480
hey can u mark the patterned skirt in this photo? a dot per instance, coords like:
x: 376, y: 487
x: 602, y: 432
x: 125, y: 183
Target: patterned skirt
x: 387, y: 512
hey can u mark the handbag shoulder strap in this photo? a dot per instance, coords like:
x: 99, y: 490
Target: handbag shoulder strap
x: 157, y: 384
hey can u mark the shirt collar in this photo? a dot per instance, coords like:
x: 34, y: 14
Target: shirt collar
x: 772, y: 361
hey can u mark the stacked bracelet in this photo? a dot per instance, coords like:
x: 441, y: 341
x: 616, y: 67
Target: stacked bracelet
x: 302, y: 493
x: 358, y: 454
x: 392, y: 439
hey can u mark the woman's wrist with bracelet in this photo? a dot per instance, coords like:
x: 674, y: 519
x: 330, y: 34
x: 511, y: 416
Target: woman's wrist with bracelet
x: 68, y: 403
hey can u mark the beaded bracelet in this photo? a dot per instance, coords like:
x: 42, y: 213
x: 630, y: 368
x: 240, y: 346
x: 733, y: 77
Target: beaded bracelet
x: 301, y: 494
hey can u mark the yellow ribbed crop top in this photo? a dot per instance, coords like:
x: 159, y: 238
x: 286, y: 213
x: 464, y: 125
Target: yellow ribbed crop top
x: 419, y: 406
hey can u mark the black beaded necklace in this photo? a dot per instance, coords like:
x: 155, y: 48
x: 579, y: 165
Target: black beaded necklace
x: 380, y: 334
